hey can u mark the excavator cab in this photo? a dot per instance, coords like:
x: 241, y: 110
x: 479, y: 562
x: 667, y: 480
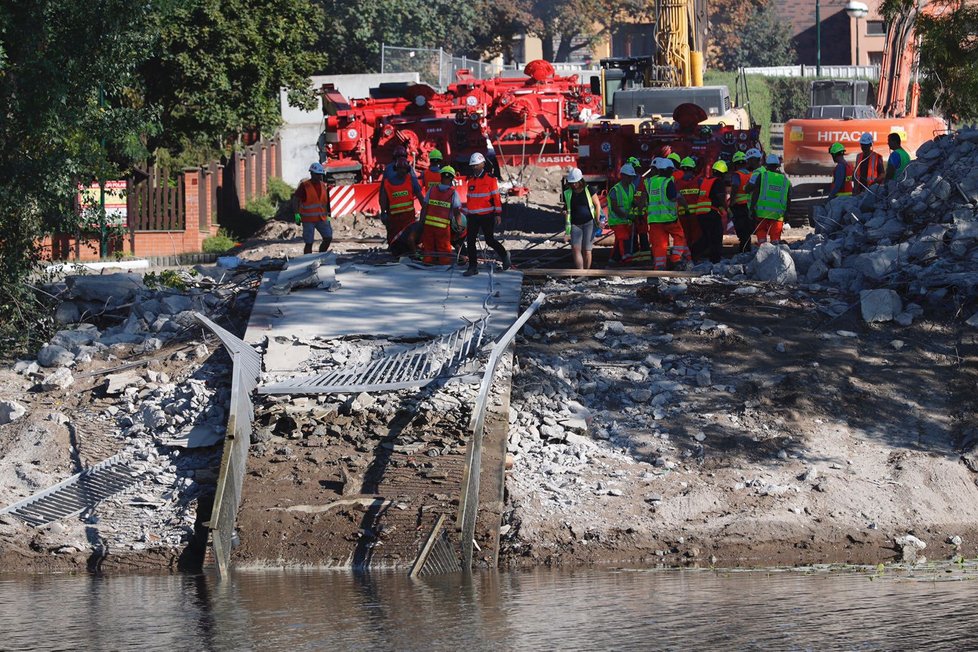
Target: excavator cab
x: 841, y: 99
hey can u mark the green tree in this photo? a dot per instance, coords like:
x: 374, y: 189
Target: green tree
x: 765, y: 41
x: 218, y: 66
x: 355, y: 31
x: 949, y: 61
x: 68, y: 89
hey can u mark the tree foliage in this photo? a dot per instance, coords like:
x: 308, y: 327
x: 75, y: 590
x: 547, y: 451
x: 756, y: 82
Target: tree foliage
x: 67, y: 86
x: 765, y: 41
x: 218, y: 66
x: 354, y: 31
x: 747, y: 33
x: 949, y: 61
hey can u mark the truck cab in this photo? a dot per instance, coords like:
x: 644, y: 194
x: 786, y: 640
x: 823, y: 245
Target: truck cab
x: 841, y: 99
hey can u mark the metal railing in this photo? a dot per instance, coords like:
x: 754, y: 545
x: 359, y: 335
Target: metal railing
x: 835, y: 72
x: 434, y: 66
x: 469, y: 501
x: 244, y: 378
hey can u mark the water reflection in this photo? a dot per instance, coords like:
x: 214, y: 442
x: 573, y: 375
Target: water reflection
x: 537, y: 610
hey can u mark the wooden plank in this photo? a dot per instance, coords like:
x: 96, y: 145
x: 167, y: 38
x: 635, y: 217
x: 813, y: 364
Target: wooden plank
x: 622, y: 273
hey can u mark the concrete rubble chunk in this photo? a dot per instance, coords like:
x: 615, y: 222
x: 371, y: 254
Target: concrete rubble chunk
x: 114, y: 289
x: 67, y: 312
x: 774, y: 264
x: 52, y: 355
x: 115, y: 384
x: 10, y: 411
x: 60, y: 379
x: 880, y: 305
x: 176, y: 303
x: 909, y: 546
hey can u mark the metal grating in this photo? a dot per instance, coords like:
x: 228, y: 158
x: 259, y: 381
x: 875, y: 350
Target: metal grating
x: 414, y: 367
x: 78, y: 493
x: 438, y: 556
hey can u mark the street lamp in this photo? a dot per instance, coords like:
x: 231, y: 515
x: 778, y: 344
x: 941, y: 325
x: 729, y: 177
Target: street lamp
x: 857, y: 10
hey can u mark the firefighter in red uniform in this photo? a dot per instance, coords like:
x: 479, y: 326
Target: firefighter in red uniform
x: 484, y: 212
x: 312, y: 201
x: 869, y: 169
x: 441, y: 215
x: 398, y: 189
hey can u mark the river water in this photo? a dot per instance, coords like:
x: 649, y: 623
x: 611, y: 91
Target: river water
x: 535, y: 610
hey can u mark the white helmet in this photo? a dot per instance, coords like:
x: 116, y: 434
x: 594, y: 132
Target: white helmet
x: 772, y: 159
x: 866, y: 139
x: 660, y: 163
x: 575, y: 175
x: 753, y: 152
x: 628, y: 170
x: 476, y: 159
x: 317, y: 168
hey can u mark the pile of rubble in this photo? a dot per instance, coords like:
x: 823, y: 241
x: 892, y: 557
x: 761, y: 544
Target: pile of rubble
x: 911, y: 243
x: 145, y: 386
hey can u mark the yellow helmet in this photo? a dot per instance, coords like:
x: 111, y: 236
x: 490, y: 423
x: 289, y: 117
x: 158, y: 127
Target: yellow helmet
x: 720, y: 166
x: 447, y: 169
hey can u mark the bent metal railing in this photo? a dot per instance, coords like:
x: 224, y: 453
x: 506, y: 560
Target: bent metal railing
x: 469, y: 502
x: 244, y: 378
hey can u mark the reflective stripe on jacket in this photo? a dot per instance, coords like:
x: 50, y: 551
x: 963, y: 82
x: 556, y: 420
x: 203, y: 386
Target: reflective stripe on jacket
x: 430, y: 178
x: 874, y: 168
x: 314, y: 201
x: 622, y: 195
x: 438, y: 214
x: 661, y: 209
x: 772, y: 200
x: 567, y: 204
x: 400, y: 196
x: 483, y: 196
x: 690, y: 189
x: 741, y: 197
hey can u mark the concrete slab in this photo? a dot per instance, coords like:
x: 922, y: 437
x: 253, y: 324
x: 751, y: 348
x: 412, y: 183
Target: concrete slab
x: 399, y: 300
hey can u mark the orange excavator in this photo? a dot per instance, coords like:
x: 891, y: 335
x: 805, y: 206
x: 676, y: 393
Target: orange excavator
x: 840, y: 111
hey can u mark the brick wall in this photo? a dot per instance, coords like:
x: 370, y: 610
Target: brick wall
x: 202, y: 191
x: 836, y: 38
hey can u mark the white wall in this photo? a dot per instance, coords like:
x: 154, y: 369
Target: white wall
x: 300, y: 129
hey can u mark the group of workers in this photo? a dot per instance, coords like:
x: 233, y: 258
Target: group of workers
x: 676, y: 202
x: 442, y: 225
x: 868, y: 171
x: 672, y: 202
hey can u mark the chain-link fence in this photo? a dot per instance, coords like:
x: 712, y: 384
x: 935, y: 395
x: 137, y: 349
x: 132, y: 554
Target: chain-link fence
x: 434, y: 66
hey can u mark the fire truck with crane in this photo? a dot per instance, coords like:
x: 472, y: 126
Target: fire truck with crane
x: 840, y: 109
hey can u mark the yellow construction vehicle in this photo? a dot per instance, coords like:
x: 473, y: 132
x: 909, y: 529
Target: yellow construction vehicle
x: 641, y: 90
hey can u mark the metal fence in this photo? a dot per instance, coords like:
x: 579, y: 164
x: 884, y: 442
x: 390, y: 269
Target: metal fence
x: 434, y: 66
x: 244, y: 378
x: 468, y: 506
x: 835, y: 72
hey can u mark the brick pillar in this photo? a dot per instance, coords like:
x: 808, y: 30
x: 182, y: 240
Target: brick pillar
x: 262, y: 168
x: 191, y: 209
x: 239, y: 178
